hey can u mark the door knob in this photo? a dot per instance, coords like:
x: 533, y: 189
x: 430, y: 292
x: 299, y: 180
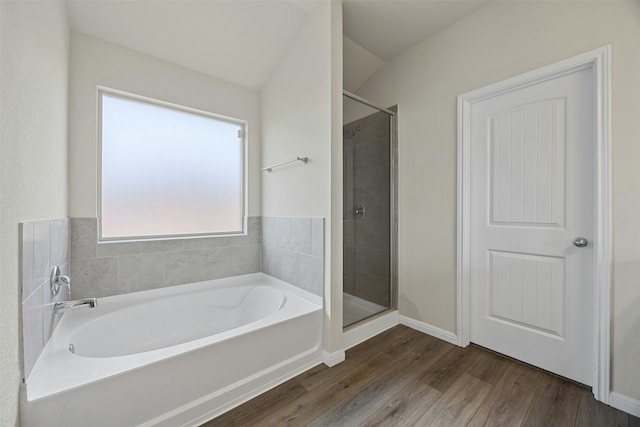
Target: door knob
x: 580, y: 242
x: 358, y: 211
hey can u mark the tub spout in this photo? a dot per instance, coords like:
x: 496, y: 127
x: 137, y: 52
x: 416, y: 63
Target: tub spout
x: 72, y: 305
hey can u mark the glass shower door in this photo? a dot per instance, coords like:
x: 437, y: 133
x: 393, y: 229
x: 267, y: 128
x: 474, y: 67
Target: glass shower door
x: 367, y: 211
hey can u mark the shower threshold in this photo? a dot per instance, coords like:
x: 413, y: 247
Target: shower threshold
x: 356, y: 309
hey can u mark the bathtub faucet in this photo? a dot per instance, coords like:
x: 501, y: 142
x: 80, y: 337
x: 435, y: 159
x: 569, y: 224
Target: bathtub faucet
x: 73, y: 305
x: 57, y: 279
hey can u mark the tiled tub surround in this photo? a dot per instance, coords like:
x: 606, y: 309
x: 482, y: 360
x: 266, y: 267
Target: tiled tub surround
x: 293, y: 251
x: 105, y: 269
x: 367, y: 258
x: 44, y: 244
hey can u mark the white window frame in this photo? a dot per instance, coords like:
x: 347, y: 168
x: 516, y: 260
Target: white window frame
x: 102, y: 90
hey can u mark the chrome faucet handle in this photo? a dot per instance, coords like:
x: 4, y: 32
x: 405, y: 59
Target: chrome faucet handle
x: 56, y: 279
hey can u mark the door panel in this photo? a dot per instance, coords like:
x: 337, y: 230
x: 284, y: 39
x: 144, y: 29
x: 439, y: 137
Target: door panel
x: 532, y: 185
x: 527, y: 164
x: 526, y: 291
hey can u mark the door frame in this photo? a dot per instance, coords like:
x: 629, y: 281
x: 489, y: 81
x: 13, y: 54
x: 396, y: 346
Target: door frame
x: 599, y: 61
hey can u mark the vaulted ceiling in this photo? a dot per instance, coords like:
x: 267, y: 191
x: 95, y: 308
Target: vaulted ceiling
x: 242, y: 41
x: 239, y: 41
x: 378, y: 30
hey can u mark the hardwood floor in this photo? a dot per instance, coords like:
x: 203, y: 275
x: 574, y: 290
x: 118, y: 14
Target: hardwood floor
x: 405, y: 378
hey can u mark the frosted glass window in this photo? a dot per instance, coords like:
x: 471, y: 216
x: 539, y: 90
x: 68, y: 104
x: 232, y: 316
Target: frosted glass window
x: 168, y: 172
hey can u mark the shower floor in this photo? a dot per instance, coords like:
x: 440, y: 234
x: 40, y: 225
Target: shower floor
x: 355, y: 309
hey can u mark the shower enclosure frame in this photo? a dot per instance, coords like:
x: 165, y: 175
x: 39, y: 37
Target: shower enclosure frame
x: 393, y: 205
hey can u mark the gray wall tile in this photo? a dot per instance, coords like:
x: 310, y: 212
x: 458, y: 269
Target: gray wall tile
x: 376, y: 261
x: 41, y: 246
x: 94, y: 277
x: 272, y: 261
x: 182, y: 267
x: 312, y: 273
x: 358, y: 156
x: 372, y: 288
x: 84, y: 235
x: 218, y: 263
x: 32, y: 333
x: 254, y: 225
x: 291, y: 267
x: 293, y: 251
x: 348, y: 281
x: 139, y: 272
x: 233, y: 241
x: 105, y: 249
x: 26, y: 252
x: 268, y: 231
x: 59, y: 249
x: 348, y: 233
x: 282, y: 232
x: 161, y: 245
x: 301, y: 235
x: 201, y: 243
x: 247, y: 259
x: 368, y: 237
x: 136, y: 264
x: 49, y: 321
x: 317, y: 237
x: 132, y: 277
x: 363, y: 180
x: 359, y: 260
x: 372, y: 234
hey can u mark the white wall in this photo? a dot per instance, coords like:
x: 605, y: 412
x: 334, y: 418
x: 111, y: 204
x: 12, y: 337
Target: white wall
x: 359, y: 64
x: 34, y: 40
x: 95, y: 62
x: 296, y: 117
x: 501, y: 40
x: 297, y: 121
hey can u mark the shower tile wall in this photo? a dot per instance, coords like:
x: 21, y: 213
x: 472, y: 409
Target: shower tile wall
x: 293, y: 251
x: 104, y: 269
x: 43, y: 244
x: 366, y: 182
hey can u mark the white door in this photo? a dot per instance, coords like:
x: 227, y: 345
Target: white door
x: 532, y: 195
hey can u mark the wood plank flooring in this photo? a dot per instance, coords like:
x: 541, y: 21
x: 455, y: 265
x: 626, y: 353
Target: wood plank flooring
x: 405, y: 378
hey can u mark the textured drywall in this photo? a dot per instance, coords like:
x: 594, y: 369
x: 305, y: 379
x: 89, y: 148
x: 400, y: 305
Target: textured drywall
x: 34, y: 40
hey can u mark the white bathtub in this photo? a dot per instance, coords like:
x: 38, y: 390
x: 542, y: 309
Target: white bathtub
x: 173, y: 356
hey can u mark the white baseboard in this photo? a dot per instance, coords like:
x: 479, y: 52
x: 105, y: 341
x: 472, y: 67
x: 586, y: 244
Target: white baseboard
x: 625, y: 403
x: 332, y: 359
x: 428, y: 329
x: 369, y: 329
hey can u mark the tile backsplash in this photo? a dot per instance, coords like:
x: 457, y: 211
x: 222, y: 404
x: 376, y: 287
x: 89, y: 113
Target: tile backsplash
x: 293, y: 251
x: 100, y: 269
x: 43, y: 245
